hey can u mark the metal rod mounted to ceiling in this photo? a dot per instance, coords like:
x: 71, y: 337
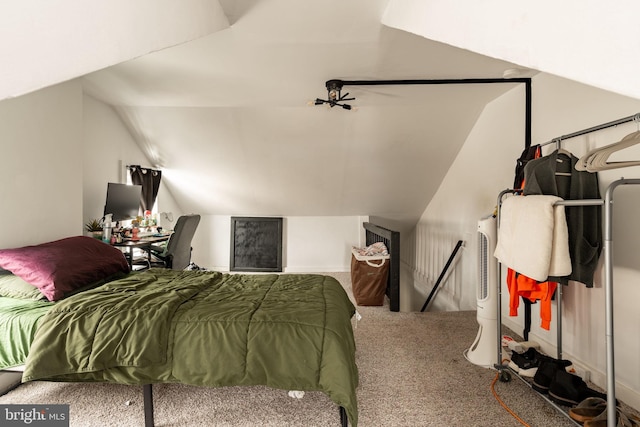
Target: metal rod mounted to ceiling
x: 558, y: 140
x: 336, y: 99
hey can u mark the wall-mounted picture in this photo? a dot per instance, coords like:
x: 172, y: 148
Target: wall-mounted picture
x: 256, y: 244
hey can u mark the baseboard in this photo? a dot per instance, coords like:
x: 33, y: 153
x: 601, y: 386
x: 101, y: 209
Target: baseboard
x: 297, y: 269
x: 316, y: 269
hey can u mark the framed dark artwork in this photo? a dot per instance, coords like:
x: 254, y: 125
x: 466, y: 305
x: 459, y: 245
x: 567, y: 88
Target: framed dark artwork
x: 256, y: 244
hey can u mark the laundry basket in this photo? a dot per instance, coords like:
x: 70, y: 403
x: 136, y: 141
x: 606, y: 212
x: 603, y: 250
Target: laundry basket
x: 369, y: 273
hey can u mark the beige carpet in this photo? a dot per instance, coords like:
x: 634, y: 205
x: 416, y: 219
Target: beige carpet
x: 412, y: 373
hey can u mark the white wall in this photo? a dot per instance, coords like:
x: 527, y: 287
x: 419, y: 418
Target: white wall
x: 485, y: 166
x: 42, y: 171
x: 310, y: 244
x: 469, y: 192
x: 61, y: 148
x: 320, y: 243
x: 108, y: 148
x: 561, y: 107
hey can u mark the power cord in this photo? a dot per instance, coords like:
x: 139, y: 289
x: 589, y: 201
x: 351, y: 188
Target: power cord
x: 495, y: 394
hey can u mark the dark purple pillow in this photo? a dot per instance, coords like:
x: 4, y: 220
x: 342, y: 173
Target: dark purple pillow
x: 58, y: 268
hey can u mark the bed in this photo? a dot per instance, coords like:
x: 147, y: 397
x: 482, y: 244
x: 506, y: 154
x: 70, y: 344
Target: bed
x: 286, y: 331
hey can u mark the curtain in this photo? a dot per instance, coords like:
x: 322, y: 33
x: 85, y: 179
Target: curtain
x: 150, y: 181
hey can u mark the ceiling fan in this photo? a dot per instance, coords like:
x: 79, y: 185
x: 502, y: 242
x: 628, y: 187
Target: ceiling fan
x: 335, y: 98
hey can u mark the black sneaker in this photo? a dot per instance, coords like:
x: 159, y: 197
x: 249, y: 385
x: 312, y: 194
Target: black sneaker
x: 569, y: 389
x: 527, y: 363
x: 546, y: 373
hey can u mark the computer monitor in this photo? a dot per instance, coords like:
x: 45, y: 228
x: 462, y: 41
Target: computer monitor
x: 123, y: 201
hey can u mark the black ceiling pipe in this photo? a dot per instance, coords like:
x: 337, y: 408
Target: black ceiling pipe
x: 337, y: 84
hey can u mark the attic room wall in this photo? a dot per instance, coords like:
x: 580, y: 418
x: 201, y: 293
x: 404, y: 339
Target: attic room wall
x: 483, y: 167
x: 107, y: 148
x: 470, y: 190
x: 41, y: 173
x: 311, y: 244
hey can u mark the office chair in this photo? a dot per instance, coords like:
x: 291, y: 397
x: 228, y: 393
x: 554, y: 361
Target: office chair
x: 176, y: 254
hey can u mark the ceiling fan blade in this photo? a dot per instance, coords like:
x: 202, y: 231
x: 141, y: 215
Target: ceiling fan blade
x: 344, y: 97
x: 333, y: 102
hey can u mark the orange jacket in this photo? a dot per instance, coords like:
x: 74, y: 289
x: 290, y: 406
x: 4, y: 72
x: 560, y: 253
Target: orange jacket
x: 520, y: 285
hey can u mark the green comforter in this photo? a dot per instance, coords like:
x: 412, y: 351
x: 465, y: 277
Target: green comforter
x: 286, y: 331
x: 18, y: 323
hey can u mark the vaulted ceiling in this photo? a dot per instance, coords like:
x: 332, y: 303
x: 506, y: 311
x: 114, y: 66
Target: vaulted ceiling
x: 227, y: 116
x: 224, y: 111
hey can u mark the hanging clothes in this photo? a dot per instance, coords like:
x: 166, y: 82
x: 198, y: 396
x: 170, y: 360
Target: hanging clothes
x: 556, y: 175
x: 533, y: 237
x: 533, y: 243
x: 519, y: 285
x: 528, y: 154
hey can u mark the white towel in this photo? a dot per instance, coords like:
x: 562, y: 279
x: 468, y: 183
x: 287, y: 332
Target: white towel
x: 533, y: 238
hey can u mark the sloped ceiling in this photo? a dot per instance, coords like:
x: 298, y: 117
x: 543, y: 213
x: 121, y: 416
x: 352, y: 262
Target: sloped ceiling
x: 45, y: 43
x: 227, y: 118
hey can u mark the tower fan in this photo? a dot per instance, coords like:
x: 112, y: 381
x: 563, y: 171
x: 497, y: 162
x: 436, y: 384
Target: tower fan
x: 484, y: 350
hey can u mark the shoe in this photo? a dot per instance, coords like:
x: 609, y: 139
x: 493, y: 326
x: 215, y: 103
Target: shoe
x: 588, y: 409
x: 546, y: 373
x: 569, y: 389
x: 622, y: 420
x: 527, y: 363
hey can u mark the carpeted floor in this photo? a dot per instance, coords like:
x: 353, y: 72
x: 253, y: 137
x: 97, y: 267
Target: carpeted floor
x: 412, y: 373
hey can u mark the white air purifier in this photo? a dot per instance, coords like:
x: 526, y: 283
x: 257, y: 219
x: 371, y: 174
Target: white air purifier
x: 484, y: 350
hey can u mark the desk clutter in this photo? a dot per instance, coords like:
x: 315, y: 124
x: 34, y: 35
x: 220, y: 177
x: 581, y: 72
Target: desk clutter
x: 140, y: 227
x: 167, y: 248
x: 120, y: 235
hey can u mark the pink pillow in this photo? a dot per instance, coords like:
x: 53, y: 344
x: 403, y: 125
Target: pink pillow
x: 63, y: 266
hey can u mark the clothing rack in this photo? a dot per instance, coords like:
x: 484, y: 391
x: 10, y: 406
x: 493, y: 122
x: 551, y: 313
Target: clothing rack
x: 558, y: 140
x: 607, y: 202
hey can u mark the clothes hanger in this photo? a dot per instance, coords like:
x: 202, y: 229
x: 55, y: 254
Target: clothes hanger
x: 562, y: 151
x: 596, y: 160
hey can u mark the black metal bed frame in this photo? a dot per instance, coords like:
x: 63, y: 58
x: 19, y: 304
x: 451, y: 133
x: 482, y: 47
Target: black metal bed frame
x: 147, y: 393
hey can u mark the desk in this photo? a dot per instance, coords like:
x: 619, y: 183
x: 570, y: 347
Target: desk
x: 143, y: 243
